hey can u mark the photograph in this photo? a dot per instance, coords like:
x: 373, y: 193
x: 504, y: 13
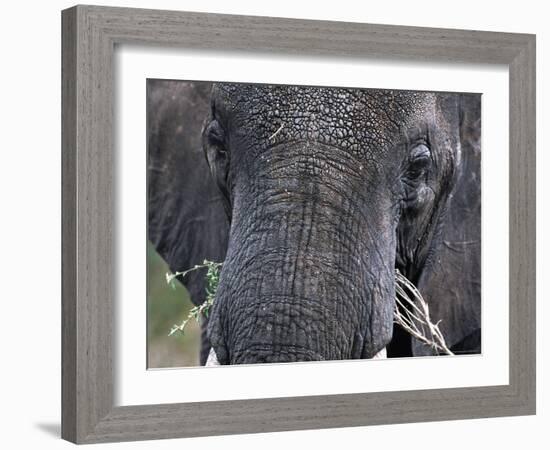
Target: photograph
x: 291, y: 223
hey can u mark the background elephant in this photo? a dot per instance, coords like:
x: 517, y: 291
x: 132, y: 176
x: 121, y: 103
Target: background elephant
x: 313, y: 196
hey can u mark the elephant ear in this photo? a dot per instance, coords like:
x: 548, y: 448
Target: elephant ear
x: 186, y: 219
x: 452, y: 283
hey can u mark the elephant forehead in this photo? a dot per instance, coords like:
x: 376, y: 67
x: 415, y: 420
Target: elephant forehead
x: 345, y: 117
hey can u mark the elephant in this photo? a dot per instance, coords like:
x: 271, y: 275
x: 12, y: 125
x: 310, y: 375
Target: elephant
x: 312, y: 197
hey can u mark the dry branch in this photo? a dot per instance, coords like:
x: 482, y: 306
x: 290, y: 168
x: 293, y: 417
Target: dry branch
x: 411, y: 310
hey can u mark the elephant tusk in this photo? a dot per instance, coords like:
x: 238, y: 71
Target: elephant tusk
x: 212, y: 359
x: 381, y: 354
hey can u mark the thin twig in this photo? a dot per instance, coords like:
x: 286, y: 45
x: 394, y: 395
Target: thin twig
x: 274, y: 135
x: 410, y: 299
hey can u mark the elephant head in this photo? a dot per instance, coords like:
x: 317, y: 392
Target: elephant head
x: 315, y: 196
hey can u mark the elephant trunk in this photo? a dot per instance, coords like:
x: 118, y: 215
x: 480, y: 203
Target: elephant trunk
x: 283, y: 310
x: 304, y: 277
x: 301, y: 301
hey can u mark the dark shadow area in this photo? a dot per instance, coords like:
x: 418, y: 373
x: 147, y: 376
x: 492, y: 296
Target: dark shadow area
x: 53, y: 429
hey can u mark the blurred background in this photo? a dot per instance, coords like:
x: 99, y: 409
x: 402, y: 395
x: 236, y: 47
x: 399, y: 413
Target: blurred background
x: 167, y: 306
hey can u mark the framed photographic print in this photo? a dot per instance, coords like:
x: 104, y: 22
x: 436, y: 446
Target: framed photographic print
x: 256, y: 207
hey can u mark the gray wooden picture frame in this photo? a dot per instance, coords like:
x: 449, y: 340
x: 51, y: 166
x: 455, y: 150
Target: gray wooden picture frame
x: 90, y: 34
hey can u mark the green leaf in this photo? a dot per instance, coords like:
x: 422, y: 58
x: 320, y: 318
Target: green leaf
x: 212, y: 278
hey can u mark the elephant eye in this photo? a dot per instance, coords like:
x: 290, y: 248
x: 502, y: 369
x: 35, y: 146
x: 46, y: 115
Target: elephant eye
x: 216, y: 135
x: 419, y: 161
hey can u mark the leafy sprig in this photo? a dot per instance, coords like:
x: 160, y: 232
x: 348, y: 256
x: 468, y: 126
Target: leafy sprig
x: 212, y: 280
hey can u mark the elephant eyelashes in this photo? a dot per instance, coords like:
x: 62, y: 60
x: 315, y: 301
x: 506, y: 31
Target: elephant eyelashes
x: 420, y: 161
x: 216, y: 136
x: 218, y: 160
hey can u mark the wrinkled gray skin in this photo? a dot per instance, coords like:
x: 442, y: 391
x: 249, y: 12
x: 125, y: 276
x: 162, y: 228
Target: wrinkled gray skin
x: 326, y: 191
